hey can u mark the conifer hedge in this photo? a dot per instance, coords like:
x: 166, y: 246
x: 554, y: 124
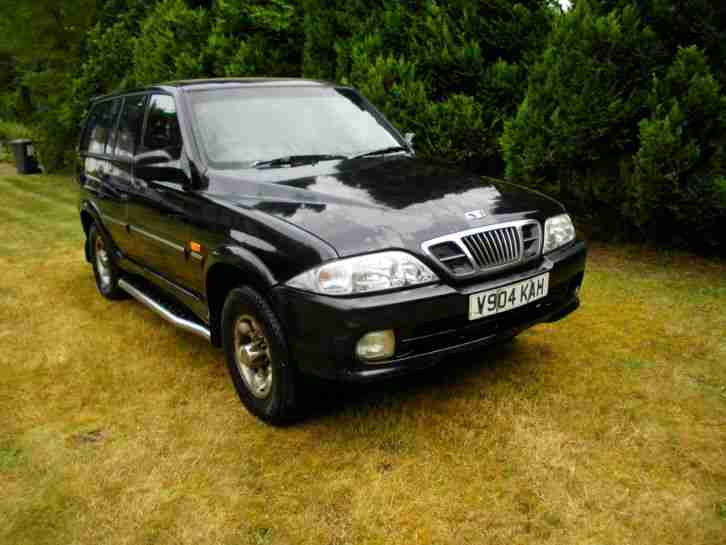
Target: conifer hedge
x: 616, y: 106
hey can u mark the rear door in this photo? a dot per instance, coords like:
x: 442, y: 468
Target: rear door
x: 119, y: 167
x: 158, y: 208
x: 96, y: 152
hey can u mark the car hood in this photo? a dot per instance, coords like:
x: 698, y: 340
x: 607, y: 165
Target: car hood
x: 380, y: 203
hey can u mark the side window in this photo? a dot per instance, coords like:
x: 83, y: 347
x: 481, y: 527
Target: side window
x: 101, y: 127
x: 162, y: 126
x: 129, y: 126
x: 112, y: 124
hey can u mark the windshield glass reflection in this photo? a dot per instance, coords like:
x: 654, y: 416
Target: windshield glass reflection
x: 240, y: 127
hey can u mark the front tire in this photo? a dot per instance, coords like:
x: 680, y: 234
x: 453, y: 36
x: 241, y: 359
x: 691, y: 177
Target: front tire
x: 257, y: 357
x: 104, y: 269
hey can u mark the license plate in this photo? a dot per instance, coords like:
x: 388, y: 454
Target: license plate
x: 506, y: 298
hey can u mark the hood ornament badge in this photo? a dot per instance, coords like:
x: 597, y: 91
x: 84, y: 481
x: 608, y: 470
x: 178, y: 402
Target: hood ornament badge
x: 472, y: 215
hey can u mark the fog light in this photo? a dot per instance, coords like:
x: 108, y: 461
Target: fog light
x: 376, y: 345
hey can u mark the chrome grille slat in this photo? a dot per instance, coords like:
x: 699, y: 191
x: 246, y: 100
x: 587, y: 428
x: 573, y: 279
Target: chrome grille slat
x: 492, y: 240
x: 515, y: 242
x: 508, y: 245
x: 496, y: 246
x: 473, y: 250
x: 483, y: 250
x: 490, y: 257
x: 452, y: 257
x: 485, y: 244
x: 505, y: 245
x: 520, y: 246
x: 489, y: 248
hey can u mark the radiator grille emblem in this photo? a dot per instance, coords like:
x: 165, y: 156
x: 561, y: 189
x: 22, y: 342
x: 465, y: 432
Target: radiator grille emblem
x: 475, y: 214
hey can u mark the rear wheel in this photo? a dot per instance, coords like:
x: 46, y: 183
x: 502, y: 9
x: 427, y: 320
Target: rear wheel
x: 104, y: 269
x: 257, y: 357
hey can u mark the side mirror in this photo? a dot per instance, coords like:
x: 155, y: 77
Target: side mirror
x: 153, y: 157
x: 161, y: 166
x: 409, y: 136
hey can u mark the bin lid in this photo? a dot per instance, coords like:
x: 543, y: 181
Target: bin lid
x: 21, y: 141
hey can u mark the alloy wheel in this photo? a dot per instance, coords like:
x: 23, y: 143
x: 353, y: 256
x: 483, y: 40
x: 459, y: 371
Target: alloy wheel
x: 252, y: 355
x: 103, y: 262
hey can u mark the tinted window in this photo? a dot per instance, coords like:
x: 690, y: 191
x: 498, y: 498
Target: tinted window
x: 101, y: 126
x: 162, y: 126
x: 129, y: 126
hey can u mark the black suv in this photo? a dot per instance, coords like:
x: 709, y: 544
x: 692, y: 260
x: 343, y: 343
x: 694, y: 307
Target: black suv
x: 290, y: 223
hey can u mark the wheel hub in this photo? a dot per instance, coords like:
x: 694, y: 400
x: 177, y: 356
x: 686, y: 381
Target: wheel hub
x: 103, y: 262
x: 252, y: 355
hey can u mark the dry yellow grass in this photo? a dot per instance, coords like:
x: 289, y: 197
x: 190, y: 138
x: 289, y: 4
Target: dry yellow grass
x: 608, y: 427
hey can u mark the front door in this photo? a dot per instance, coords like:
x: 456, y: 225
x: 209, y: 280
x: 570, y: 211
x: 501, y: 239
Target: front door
x: 158, y: 208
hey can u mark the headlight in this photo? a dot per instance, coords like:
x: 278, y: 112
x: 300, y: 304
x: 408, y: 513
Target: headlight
x: 558, y: 231
x: 365, y: 274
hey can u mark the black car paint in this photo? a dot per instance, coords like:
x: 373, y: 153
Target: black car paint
x: 270, y: 224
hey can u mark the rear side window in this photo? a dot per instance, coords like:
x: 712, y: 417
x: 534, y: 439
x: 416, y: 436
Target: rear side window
x: 162, y: 126
x: 101, y: 127
x: 129, y: 126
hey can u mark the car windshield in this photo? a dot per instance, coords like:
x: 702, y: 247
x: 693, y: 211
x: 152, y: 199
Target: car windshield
x: 241, y: 127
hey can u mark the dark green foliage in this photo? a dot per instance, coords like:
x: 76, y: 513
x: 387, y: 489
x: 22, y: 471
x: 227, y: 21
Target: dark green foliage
x: 255, y: 38
x: 45, y: 39
x: 451, y: 72
x: 109, y: 48
x: 171, y: 44
x: 7, y: 82
x: 681, y: 23
x: 629, y: 137
x: 586, y: 96
x: 677, y: 188
x: 616, y: 107
x: 109, y: 54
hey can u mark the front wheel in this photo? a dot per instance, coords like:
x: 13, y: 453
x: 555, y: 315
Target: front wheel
x: 104, y: 269
x: 257, y: 357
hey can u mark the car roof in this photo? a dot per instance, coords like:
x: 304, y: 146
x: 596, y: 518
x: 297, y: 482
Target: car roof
x: 259, y: 82
x: 214, y: 83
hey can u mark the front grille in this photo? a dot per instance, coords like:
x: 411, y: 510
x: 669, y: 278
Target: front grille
x: 487, y: 249
x: 494, y: 248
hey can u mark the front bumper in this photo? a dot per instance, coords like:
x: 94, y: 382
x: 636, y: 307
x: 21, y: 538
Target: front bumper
x: 431, y: 322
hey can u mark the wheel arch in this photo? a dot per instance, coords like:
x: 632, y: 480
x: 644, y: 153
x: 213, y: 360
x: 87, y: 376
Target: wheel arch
x: 86, y: 220
x: 89, y: 216
x: 234, y: 267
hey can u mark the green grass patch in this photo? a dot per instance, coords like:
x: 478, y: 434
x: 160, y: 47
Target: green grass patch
x: 9, y: 457
x: 607, y: 427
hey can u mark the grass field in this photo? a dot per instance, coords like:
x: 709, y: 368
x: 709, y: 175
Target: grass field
x: 606, y: 428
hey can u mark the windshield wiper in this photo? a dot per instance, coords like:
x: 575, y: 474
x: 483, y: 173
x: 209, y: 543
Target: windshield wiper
x: 294, y: 160
x: 381, y: 151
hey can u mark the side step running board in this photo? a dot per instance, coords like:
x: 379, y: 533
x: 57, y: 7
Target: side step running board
x: 181, y: 323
